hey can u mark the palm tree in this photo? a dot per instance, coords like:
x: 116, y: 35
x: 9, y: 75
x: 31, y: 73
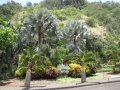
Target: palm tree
x: 74, y: 35
x: 41, y: 28
x: 28, y: 57
x: 83, y: 59
x: 113, y: 55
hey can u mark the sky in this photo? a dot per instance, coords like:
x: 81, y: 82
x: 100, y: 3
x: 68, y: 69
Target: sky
x: 23, y: 2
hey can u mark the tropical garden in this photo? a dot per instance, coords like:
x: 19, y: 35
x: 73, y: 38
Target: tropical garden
x: 58, y: 38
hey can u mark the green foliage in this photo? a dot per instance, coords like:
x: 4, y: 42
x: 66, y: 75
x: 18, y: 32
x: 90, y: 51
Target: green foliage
x: 66, y: 12
x: 93, y: 68
x: 9, y: 9
x: 59, y: 54
x: 89, y: 57
x: 75, y: 70
x: 21, y: 72
x: 87, y: 70
x: 47, y: 63
x: 51, y: 4
x: 51, y: 72
x: 38, y: 71
x: 7, y: 37
x: 61, y: 25
x: 2, y: 22
x: 28, y: 57
x: 90, y: 21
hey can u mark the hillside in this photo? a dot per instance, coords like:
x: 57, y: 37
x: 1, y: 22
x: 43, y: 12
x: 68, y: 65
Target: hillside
x: 101, y: 18
x: 75, y: 14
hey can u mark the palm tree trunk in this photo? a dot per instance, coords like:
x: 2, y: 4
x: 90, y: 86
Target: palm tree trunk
x: 40, y: 38
x: 83, y: 75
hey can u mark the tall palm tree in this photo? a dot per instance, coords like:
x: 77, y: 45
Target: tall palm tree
x: 74, y: 35
x: 40, y: 27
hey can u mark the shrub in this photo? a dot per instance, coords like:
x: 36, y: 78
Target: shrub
x: 43, y: 62
x: 21, y: 72
x: 78, y: 16
x: 38, y: 71
x: 47, y: 63
x: 61, y: 25
x: 87, y: 70
x: 93, y: 68
x: 63, y: 69
x: 75, y: 70
x: 90, y: 21
x: 51, y: 72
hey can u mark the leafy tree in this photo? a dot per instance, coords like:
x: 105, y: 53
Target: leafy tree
x: 29, y: 3
x: 113, y: 55
x: 7, y: 38
x: 9, y: 9
x: 51, y: 4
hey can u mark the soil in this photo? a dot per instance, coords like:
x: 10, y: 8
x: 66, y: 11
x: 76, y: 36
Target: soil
x: 20, y: 82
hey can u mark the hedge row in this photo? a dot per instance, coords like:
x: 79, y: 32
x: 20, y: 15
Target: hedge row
x: 72, y: 70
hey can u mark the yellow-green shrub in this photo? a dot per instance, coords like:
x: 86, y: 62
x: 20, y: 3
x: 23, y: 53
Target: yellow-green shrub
x: 87, y: 70
x: 38, y: 71
x: 21, y: 72
x: 75, y: 70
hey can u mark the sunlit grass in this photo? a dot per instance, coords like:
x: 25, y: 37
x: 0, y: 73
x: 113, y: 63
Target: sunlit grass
x: 70, y: 79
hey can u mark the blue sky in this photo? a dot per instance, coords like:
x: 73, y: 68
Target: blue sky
x: 23, y: 2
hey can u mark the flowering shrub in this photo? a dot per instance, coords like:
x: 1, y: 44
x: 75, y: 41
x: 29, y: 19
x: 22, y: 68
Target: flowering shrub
x: 63, y: 69
x: 51, y: 72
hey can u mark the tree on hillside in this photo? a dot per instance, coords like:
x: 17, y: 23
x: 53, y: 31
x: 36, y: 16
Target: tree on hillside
x: 9, y: 9
x: 75, y: 2
x: 51, y: 4
x: 29, y: 4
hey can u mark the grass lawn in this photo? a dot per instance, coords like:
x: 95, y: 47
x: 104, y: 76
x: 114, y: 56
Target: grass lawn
x: 70, y: 79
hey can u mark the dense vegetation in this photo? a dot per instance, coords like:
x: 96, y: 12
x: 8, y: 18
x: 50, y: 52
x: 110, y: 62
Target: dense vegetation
x: 53, y: 37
